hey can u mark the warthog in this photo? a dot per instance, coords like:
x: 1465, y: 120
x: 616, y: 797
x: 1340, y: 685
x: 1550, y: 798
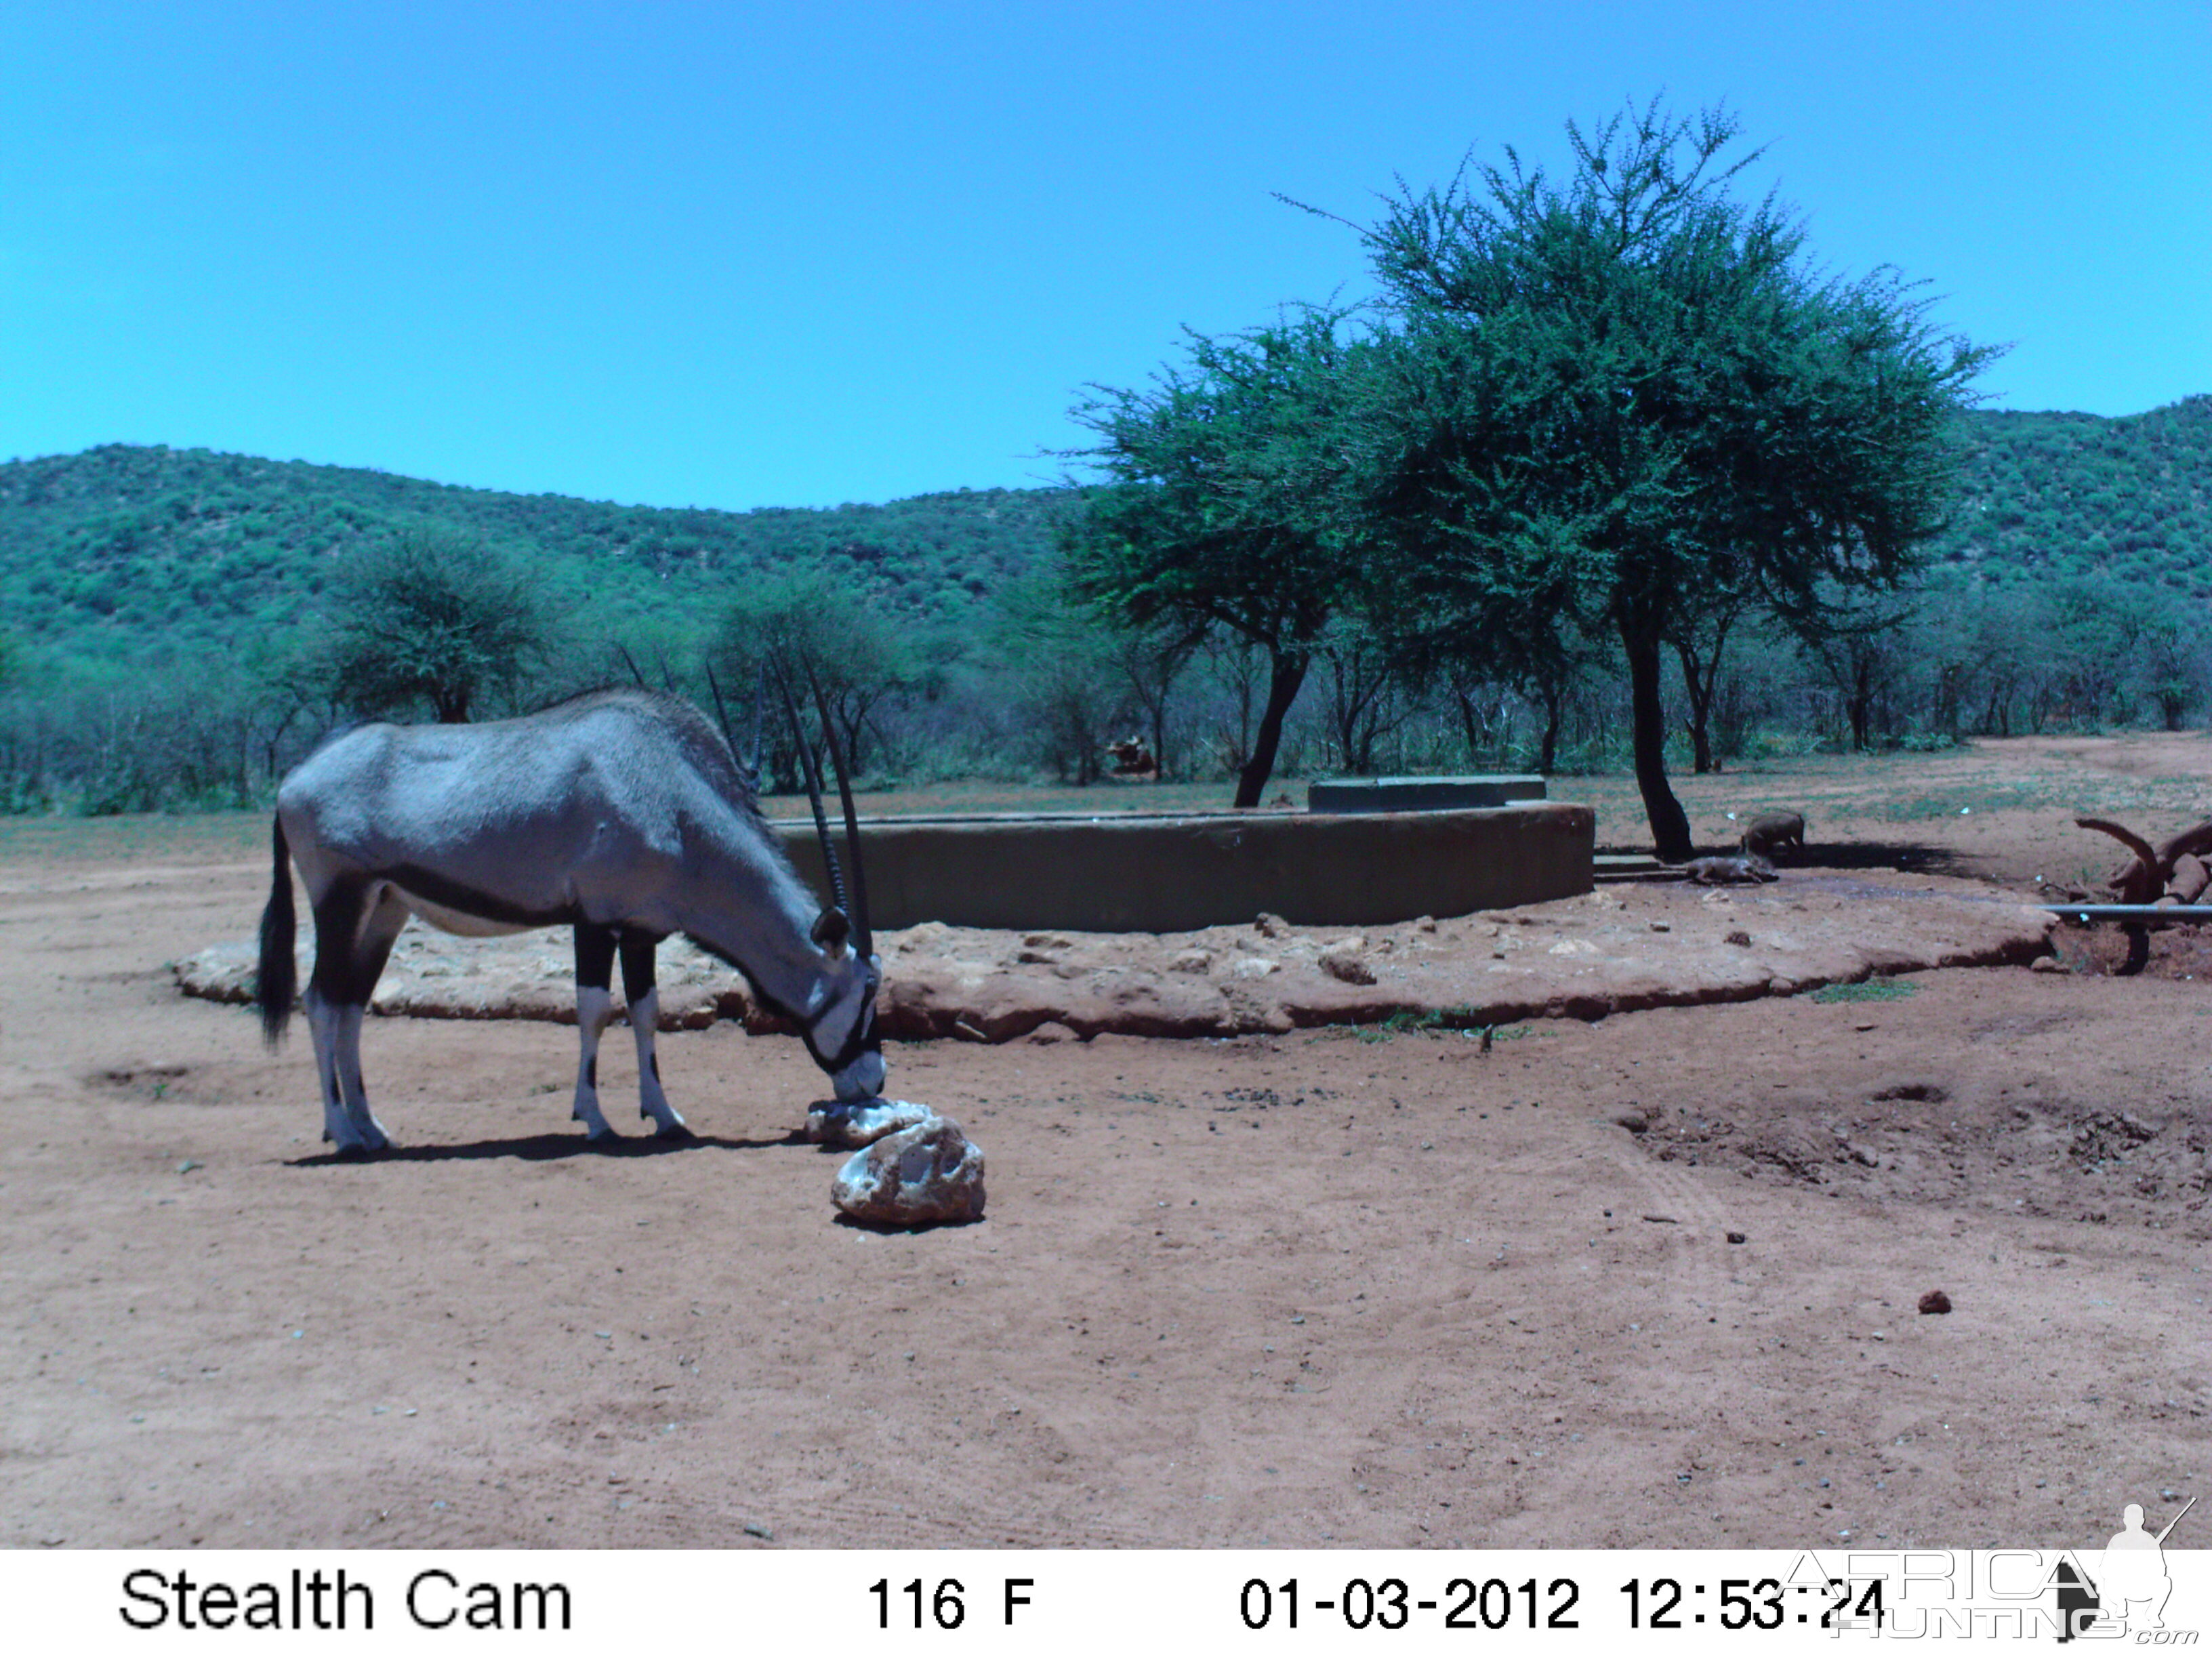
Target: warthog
x: 1770, y: 832
x: 1721, y: 870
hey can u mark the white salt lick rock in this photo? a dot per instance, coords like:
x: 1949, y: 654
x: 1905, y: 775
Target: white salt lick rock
x: 861, y: 1122
x: 929, y: 1173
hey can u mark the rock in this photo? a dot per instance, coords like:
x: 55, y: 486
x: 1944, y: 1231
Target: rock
x: 1047, y: 941
x: 1270, y: 925
x: 1736, y: 1239
x: 1052, y: 1031
x: 929, y: 1173
x: 2047, y: 965
x: 1191, y: 962
x: 1935, y: 1302
x: 1739, y: 937
x: 861, y: 1122
x: 1253, y: 968
x: 1342, y: 961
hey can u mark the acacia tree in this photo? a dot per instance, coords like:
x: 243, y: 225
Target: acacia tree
x: 1368, y: 685
x: 1700, y: 643
x: 1228, y: 509
x: 808, y: 623
x: 1626, y: 401
x: 1864, y: 652
x: 431, y: 618
x: 1151, y: 663
x: 1068, y: 672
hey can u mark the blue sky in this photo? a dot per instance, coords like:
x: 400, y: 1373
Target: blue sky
x: 737, y: 256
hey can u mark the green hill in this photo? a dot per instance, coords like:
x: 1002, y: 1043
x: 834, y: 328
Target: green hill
x: 125, y: 557
x: 2055, y: 496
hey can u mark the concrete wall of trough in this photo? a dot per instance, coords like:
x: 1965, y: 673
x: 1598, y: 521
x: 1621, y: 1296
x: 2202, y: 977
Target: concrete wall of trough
x: 1140, y: 873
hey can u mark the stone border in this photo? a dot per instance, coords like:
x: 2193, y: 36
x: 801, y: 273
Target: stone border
x: 1614, y: 950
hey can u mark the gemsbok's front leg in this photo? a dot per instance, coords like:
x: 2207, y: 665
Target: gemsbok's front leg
x: 638, y: 986
x: 595, y: 967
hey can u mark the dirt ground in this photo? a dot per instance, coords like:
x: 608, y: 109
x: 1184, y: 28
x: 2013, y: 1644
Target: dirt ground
x: 1648, y: 1280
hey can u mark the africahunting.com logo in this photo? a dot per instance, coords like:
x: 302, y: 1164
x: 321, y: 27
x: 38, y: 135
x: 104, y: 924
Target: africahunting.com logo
x: 2121, y: 1594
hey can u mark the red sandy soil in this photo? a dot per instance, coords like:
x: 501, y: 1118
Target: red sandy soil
x: 1334, y: 1285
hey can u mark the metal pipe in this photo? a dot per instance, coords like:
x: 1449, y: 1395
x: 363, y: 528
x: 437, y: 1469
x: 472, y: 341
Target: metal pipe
x: 2132, y: 912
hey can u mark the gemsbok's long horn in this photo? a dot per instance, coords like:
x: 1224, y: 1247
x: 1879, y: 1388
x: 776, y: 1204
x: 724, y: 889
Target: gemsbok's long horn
x: 813, y: 776
x: 722, y: 713
x: 852, y: 819
x: 635, y: 673
x: 753, y: 721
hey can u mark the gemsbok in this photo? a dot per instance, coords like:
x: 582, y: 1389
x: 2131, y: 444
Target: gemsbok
x: 622, y: 814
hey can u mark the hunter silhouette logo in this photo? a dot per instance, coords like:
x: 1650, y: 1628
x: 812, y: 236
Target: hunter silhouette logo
x: 2130, y: 1586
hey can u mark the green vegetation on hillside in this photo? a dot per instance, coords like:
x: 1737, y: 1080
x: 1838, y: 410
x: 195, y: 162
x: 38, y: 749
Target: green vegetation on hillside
x: 164, y: 607
x: 2053, y: 497
x: 129, y: 557
x: 125, y: 556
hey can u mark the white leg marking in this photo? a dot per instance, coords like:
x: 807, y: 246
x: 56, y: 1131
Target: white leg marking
x: 594, y: 1008
x: 367, y: 1132
x: 322, y: 1022
x: 644, y: 1016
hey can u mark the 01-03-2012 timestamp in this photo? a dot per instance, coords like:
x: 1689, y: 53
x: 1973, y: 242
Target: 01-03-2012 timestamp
x: 1497, y: 1604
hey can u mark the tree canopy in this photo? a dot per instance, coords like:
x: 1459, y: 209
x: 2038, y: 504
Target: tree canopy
x: 805, y: 625
x: 1231, y: 509
x: 433, y: 619
x: 1627, y: 401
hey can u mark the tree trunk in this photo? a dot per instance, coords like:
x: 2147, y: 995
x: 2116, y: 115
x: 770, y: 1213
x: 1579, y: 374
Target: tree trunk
x: 1555, y: 701
x: 1701, y: 677
x: 1670, y: 825
x: 1699, y: 723
x: 1468, y: 725
x: 1860, y: 707
x: 1287, y: 675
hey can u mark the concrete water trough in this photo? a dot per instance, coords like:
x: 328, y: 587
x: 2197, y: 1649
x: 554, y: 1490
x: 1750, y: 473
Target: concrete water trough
x: 1157, y: 874
x: 1422, y: 794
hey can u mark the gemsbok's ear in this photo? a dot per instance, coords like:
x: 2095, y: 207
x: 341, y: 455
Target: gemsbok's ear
x: 831, y: 930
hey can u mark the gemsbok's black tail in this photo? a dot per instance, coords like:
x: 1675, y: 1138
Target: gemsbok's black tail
x: 277, y: 980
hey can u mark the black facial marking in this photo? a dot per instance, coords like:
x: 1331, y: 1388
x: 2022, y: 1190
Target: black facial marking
x: 864, y: 1038
x: 652, y: 1063
x: 592, y: 1070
